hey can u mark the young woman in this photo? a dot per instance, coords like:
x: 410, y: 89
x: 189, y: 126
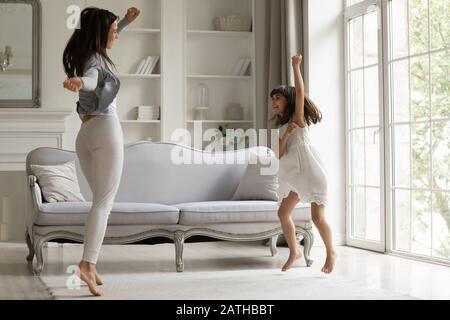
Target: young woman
x: 99, y: 143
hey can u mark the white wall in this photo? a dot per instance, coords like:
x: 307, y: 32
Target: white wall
x: 325, y: 75
x: 325, y: 83
x: 13, y: 186
x: 54, y: 39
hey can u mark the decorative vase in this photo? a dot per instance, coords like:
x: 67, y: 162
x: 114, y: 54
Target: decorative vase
x: 200, y: 113
x: 235, y: 112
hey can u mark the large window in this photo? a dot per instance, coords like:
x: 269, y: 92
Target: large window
x: 415, y: 99
x: 419, y: 87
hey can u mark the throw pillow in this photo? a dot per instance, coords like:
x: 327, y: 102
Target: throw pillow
x: 256, y: 186
x: 59, y: 183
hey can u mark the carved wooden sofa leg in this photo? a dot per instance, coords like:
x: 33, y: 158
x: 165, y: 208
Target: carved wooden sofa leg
x: 273, y: 245
x: 38, y: 248
x: 179, y: 244
x: 308, y: 239
x: 30, y: 256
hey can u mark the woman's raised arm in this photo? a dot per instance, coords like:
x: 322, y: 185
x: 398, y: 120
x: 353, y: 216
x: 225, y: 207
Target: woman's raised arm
x: 131, y: 15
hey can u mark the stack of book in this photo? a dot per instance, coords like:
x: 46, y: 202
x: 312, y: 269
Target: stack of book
x: 148, y: 113
x: 241, y: 67
x: 147, y: 65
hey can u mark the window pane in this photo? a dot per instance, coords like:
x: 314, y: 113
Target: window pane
x: 373, y: 157
x: 357, y: 94
x: 373, y: 214
x: 400, y: 84
x: 420, y: 106
x: 440, y: 94
x: 356, y: 43
x: 372, y: 97
x: 421, y: 223
x: 402, y: 220
x: 359, y: 213
x: 441, y: 155
x: 440, y: 24
x: 441, y: 227
x: 358, y: 157
x: 421, y: 155
x: 418, y: 22
x: 399, y: 31
x: 371, y: 38
x: 402, y: 157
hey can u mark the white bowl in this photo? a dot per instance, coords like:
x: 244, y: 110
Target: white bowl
x: 232, y: 23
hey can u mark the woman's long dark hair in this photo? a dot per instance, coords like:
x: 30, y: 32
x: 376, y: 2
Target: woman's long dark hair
x: 312, y: 112
x: 91, y: 38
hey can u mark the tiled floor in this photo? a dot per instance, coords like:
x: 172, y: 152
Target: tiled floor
x: 414, y: 278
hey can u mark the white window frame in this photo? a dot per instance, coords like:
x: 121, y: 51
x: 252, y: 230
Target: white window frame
x: 351, y: 12
x: 387, y: 164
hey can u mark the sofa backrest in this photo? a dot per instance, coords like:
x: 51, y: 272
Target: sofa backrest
x: 151, y: 175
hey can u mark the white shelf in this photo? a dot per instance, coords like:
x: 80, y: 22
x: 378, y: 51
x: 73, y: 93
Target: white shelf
x: 27, y: 72
x: 140, y: 76
x: 142, y: 30
x: 138, y: 40
x: 220, y: 77
x: 213, y: 33
x: 222, y: 121
x: 204, y: 47
x: 141, y: 121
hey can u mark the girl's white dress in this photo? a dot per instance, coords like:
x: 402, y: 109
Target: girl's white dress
x: 301, y: 169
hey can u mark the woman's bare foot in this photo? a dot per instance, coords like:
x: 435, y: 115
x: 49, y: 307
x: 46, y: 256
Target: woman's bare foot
x: 292, y: 258
x: 329, y: 263
x: 88, y: 275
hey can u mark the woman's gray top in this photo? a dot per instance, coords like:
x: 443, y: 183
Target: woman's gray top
x: 101, y: 85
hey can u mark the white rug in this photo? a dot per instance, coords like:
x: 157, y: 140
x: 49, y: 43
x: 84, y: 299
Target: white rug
x: 135, y: 275
x: 228, y: 285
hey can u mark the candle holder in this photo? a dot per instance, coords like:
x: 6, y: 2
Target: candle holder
x: 202, y: 102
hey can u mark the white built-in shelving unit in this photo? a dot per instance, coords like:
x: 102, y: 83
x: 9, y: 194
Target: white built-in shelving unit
x: 211, y: 56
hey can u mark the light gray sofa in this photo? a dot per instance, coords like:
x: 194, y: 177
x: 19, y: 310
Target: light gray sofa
x: 159, y: 198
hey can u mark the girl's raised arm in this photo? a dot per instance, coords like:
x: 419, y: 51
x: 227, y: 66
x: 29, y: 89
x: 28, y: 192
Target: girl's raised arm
x: 299, y: 115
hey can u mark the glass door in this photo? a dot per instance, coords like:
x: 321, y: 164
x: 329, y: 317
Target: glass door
x: 364, y: 126
x: 419, y: 185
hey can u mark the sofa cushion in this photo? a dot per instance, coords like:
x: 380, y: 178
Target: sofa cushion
x: 201, y: 213
x: 75, y: 213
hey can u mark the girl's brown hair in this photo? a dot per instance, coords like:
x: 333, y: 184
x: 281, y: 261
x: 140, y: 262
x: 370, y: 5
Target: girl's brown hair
x: 312, y: 112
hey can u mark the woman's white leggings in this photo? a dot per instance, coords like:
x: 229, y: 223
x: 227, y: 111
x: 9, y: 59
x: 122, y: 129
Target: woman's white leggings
x: 100, y: 147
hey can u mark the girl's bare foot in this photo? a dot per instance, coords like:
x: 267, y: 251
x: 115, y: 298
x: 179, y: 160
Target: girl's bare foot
x: 88, y: 275
x: 329, y: 263
x: 292, y: 258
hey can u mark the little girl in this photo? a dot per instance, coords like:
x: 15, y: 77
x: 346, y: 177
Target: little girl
x: 302, y: 175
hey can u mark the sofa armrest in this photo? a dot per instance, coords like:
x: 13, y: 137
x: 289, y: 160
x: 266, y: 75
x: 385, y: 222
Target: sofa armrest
x: 32, y: 180
x: 36, y: 193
